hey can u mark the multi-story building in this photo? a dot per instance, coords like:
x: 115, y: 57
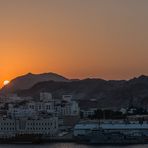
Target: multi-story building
x: 46, y: 97
x: 9, y: 127
x: 88, y: 107
x: 58, y: 112
x: 41, y: 106
x: 30, y: 118
x: 66, y: 106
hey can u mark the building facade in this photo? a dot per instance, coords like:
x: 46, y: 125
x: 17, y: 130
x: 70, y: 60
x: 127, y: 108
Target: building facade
x: 43, y: 126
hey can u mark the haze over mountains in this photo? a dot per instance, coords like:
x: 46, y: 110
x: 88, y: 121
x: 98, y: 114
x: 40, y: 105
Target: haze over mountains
x: 109, y: 94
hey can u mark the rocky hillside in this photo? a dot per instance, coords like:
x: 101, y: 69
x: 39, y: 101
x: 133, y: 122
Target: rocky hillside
x: 28, y: 80
x: 112, y: 94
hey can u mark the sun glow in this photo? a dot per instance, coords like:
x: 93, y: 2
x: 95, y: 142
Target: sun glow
x: 6, y: 82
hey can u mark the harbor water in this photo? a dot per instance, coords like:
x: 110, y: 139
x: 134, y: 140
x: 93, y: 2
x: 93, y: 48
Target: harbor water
x: 67, y: 145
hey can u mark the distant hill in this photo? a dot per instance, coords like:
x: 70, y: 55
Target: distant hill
x: 28, y: 80
x: 109, y: 94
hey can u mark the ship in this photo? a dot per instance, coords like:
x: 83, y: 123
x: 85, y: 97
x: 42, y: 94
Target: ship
x: 111, y: 133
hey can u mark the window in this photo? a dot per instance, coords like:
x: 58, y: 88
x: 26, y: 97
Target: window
x: 40, y: 107
x: 47, y: 106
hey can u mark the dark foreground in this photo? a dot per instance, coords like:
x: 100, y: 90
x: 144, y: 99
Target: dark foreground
x: 65, y: 145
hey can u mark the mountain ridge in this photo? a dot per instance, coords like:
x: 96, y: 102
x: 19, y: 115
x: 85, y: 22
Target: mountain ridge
x: 26, y: 81
x: 109, y: 94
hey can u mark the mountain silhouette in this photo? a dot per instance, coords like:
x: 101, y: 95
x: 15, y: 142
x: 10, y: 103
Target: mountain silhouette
x: 109, y: 94
x: 28, y: 80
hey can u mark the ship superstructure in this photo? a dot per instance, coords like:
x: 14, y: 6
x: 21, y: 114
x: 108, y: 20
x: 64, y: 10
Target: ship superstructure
x: 112, y: 132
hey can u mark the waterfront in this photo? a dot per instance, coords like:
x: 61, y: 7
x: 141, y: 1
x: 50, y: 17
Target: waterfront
x: 67, y: 145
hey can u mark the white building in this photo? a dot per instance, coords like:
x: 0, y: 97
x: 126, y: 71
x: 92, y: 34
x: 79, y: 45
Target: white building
x: 88, y: 112
x: 41, y: 106
x: 44, y: 115
x: 20, y: 113
x: 74, y: 108
x: 46, y: 97
x: 64, y: 107
x: 7, y: 128
x: 43, y: 126
x: 67, y: 108
x: 67, y: 98
x: 123, y: 110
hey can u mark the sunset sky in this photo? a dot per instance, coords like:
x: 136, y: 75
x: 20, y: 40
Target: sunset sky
x: 75, y: 38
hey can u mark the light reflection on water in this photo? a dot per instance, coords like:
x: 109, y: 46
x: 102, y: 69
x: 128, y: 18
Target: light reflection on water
x: 66, y: 145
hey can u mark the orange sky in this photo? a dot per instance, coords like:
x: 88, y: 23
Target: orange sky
x: 75, y: 38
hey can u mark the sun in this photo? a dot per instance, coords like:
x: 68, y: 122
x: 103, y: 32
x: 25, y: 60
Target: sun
x: 6, y: 82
